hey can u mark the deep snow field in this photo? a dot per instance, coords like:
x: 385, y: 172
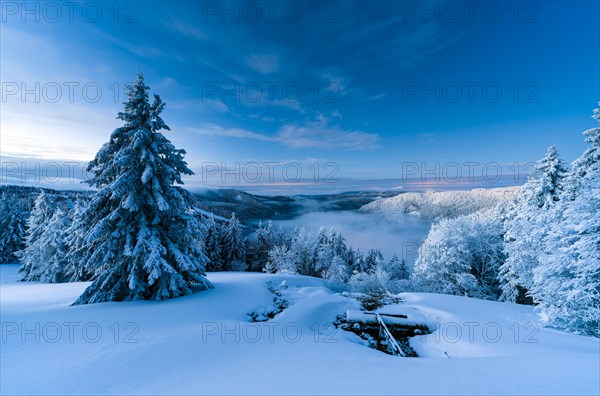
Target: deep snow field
x: 206, y: 344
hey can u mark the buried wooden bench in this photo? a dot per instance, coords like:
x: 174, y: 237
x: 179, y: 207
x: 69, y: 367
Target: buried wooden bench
x: 393, y: 327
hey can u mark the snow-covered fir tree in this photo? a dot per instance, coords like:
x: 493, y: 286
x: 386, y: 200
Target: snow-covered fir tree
x: 74, y: 259
x: 302, y: 247
x: 33, y: 255
x: 336, y: 273
x: 14, y: 214
x: 139, y: 230
x: 212, y: 245
x: 260, y: 245
x: 566, y: 283
x: 324, y: 251
x: 373, y: 260
x: 338, y: 243
x: 356, y: 261
x: 397, y: 268
x: 280, y: 237
x: 234, y: 245
x: 52, y: 268
x: 525, y: 227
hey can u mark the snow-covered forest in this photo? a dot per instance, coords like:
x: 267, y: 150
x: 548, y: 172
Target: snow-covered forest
x: 138, y: 236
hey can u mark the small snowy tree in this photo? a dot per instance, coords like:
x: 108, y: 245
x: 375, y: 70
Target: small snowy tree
x: 281, y: 261
x: 14, y: 212
x: 338, y: 244
x: 397, y: 268
x: 261, y: 244
x: 75, y: 257
x: 337, y: 273
x: 212, y: 245
x: 33, y: 255
x: 373, y: 259
x: 357, y: 261
x: 53, y: 268
x: 376, y: 288
x: 234, y: 245
x: 139, y: 231
x: 302, y: 247
x: 324, y: 251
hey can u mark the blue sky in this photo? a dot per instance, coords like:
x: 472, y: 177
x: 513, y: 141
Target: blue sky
x: 364, y: 90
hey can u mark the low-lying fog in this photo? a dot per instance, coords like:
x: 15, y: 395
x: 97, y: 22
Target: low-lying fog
x: 364, y: 230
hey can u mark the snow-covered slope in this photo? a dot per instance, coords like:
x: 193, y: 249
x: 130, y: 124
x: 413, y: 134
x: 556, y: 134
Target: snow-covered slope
x: 206, y: 344
x: 432, y: 205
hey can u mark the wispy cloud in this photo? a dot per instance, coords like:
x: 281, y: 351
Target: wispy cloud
x: 263, y: 63
x: 141, y: 50
x: 210, y: 129
x: 377, y: 97
x: 185, y: 29
x: 321, y: 135
x: 426, y: 137
x: 288, y: 103
x: 261, y: 117
x: 317, y: 134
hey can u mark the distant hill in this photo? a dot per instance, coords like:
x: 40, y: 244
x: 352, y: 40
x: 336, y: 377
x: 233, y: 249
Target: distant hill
x: 432, y: 205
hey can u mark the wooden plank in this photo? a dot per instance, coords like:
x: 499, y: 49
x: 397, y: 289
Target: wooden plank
x: 393, y: 320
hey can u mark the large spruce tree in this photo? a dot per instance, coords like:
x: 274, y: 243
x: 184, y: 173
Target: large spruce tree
x: 567, y: 282
x: 525, y: 226
x: 139, y: 231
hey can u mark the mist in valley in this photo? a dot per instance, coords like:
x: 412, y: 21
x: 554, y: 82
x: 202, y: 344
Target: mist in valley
x: 365, y: 230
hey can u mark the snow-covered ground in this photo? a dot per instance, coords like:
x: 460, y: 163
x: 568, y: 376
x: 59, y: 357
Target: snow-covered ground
x: 206, y: 344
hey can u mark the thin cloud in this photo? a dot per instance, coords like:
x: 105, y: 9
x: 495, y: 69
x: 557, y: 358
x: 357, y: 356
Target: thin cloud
x: 322, y: 134
x: 185, y: 29
x: 143, y: 51
x: 317, y: 134
x: 263, y: 63
x: 377, y: 97
x: 211, y: 129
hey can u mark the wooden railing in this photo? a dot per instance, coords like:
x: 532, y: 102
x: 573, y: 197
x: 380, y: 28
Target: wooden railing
x: 396, y: 350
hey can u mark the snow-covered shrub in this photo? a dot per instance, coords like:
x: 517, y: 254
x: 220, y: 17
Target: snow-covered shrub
x: 376, y: 288
x: 281, y: 261
x: 462, y: 256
